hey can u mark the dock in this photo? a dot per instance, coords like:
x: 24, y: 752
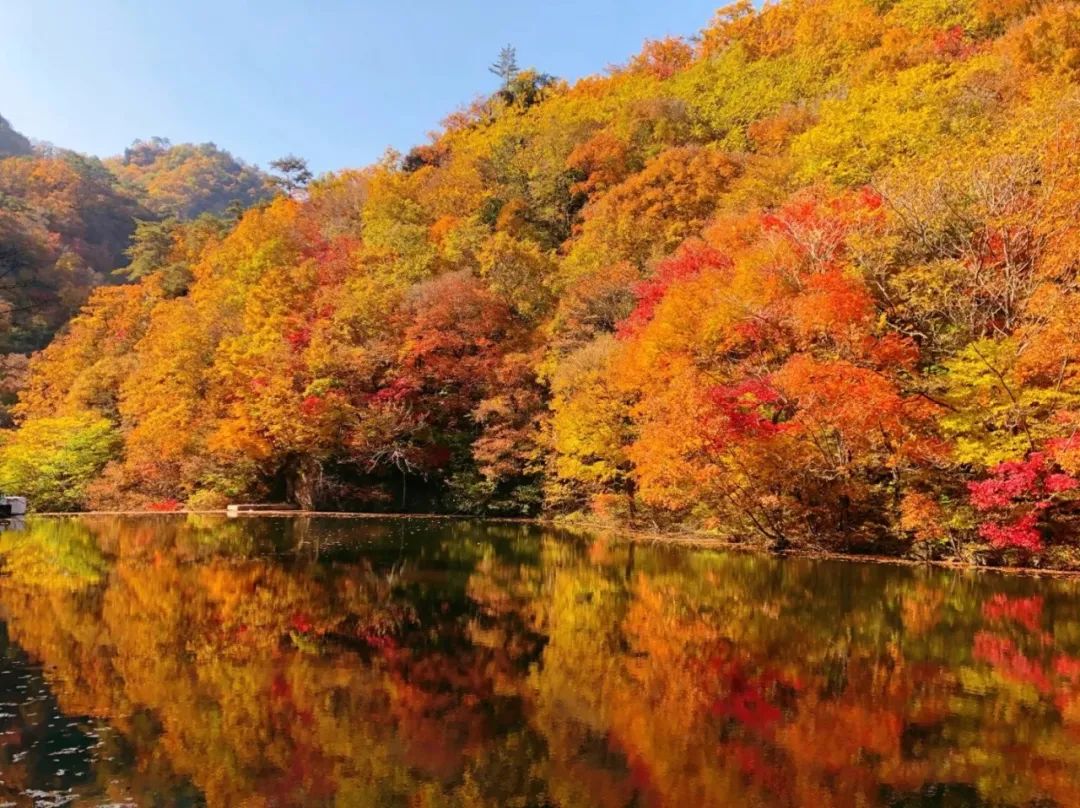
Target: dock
x: 261, y: 507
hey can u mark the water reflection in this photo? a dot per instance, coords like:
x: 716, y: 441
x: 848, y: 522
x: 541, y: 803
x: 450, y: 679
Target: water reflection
x: 197, y: 660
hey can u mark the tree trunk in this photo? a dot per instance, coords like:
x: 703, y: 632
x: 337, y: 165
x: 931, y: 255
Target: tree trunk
x: 303, y: 481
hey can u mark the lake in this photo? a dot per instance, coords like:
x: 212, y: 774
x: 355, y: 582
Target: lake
x: 199, y: 660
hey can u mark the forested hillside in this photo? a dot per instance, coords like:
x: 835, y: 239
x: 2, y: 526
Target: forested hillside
x: 808, y: 279
x: 64, y: 226
x: 186, y: 180
x: 12, y: 143
x: 69, y: 222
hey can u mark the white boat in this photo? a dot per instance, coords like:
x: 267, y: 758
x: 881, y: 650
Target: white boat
x: 12, y: 506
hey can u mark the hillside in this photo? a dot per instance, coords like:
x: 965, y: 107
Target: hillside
x: 68, y: 222
x: 64, y: 226
x: 188, y: 180
x: 807, y: 280
x: 12, y: 143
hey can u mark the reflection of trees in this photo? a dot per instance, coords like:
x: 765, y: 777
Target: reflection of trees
x: 291, y: 661
x: 52, y: 554
x: 721, y: 679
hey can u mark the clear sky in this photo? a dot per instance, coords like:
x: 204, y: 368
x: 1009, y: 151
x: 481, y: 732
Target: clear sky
x: 330, y: 80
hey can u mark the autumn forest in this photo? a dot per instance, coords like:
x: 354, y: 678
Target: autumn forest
x: 806, y: 280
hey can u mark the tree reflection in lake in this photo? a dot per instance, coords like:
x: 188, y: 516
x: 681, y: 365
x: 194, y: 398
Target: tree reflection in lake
x: 265, y: 661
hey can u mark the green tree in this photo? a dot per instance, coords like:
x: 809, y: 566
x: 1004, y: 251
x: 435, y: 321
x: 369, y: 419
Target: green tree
x: 52, y: 460
x: 292, y: 172
x: 506, y: 66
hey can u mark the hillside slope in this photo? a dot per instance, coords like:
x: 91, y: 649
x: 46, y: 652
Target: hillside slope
x: 67, y: 220
x: 12, y: 143
x: 188, y: 180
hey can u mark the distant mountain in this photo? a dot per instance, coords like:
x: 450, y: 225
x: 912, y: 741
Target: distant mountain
x: 187, y: 180
x: 67, y: 220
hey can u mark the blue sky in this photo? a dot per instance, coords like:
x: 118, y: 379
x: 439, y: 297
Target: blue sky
x: 336, y: 82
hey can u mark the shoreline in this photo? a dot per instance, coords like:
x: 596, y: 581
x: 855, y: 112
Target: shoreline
x: 689, y: 539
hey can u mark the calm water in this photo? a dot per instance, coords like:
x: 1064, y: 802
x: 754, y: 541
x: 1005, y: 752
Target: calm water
x: 274, y: 662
